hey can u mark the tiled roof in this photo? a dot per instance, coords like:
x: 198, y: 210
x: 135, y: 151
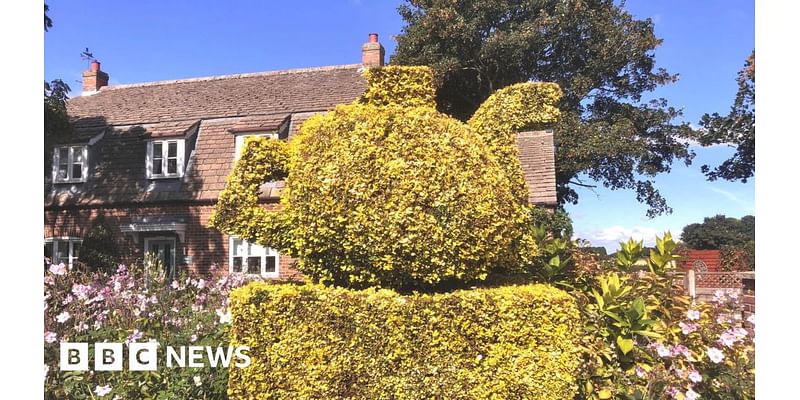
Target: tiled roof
x: 208, y: 112
x: 537, y: 156
x: 263, y: 93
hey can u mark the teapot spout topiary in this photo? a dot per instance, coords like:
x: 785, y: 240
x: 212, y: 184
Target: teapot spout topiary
x: 387, y: 191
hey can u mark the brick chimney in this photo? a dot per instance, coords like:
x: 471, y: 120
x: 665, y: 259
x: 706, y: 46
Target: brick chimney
x: 94, y: 79
x: 372, y: 52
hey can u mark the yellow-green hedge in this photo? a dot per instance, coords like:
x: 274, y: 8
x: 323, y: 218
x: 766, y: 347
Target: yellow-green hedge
x: 386, y: 191
x: 312, y: 342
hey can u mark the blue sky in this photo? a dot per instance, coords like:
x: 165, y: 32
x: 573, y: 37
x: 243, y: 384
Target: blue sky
x: 705, y: 42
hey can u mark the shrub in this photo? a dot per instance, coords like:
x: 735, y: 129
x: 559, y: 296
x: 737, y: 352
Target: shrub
x: 312, y: 342
x: 387, y: 191
x: 643, y: 338
x: 99, y: 247
x: 133, y: 305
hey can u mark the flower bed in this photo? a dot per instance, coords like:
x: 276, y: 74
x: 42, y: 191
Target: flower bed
x: 134, y: 305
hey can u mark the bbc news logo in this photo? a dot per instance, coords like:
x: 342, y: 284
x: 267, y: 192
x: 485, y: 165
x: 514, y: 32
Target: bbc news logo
x: 144, y: 356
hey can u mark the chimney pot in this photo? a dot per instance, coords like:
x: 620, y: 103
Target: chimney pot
x: 372, y: 52
x: 95, y: 65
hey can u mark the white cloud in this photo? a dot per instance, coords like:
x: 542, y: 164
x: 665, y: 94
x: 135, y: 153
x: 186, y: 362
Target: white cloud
x: 747, y: 205
x: 619, y: 233
x: 610, y: 237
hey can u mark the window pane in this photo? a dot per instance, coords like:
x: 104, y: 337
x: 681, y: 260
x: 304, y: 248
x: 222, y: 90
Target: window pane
x: 77, y: 171
x: 172, y: 149
x: 48, y: 251
x: 62, y: 252
x: 257, y: 250
x: 62, y: 172
x: 238, y: 247
x: 63, y: 156
x: 172, y: 166
x: 77, y: 154
x: 253, y: 265
x: 76, y: 249
x: 158, y: 152
x: 270, y: 267
x: 157, y: 167
x: 237, y: 264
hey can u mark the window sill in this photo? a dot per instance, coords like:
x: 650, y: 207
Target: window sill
x: 166, y: 177
x: 69, y: 182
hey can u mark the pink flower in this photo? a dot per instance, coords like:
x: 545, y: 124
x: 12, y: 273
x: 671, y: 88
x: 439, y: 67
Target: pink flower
x: 680, y: 349
x: 101, y: 391
x: 50, y: 337
x: 640, y: 372
x: 136, y: 335
x: 63, y: 317
x: 687, y: 328
x: 59, y: 269
x: 695, y: 377
x: 752, y: 319
x: 48, y: 280
x: 67, y: 299
x: 193, y: 338
x: 175, y: 285
x: 715, y: 354
x: 201, y: 284
x: 663, y: 351
x: 693, y: 315
x: 691, y: 395
x: 81, y: 291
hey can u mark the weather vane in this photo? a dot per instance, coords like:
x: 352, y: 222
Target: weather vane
x: 86, y: 55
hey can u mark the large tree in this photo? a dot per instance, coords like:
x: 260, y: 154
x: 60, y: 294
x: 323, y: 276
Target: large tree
x: 738, y: 128
x: 56, y: 94
x: 720, y: 231
x: 600, y: 55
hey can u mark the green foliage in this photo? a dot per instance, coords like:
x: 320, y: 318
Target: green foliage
x: 312, y: 342
x: 738, y: 258
x: 99, y: 247
x: 48, y: 23
x: 555, y: 223
x: 605, y: 132
x: 738, y: 128
x: 387, y: 191
x: 720, y: 231
x: 641, y: 336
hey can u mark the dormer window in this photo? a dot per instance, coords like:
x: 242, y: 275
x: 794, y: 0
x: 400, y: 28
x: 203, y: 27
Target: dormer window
x: 240, y: 138
x: 69, y: 164
x: 165, y: 158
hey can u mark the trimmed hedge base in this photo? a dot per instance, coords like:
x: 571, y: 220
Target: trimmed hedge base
x: 312, y: 342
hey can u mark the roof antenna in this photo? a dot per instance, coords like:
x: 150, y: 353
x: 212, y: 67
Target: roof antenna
x: 86, y: 55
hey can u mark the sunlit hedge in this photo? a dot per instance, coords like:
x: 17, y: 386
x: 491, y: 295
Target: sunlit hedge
x: 388, y: 191
x: 312, y: 342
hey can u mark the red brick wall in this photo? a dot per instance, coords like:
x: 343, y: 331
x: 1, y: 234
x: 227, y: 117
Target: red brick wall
x: 204, y: 245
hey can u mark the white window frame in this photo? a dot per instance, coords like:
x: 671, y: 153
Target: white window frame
x: 70, y: 241
x: 181, y: 149
x: 71, y: 150
x: 268, y: 252
x: 239, y: 139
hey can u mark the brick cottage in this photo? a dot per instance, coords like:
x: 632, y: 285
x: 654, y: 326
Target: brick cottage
x: 151, y: 159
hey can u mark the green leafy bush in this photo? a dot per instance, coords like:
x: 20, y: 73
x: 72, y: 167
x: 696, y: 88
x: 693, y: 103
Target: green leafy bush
x: 312, y: 342
x: 387, y: 191
x: 99, y: 247
x: 643, y: 338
